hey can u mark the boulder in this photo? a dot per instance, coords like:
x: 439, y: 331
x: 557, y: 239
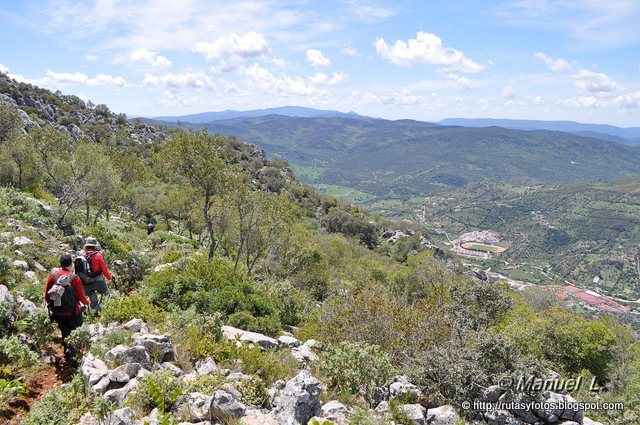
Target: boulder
x: 501, y: 417
x: 334, y: 411
x: 192, y: 407
x: 232, y: 334
x: 122, y: 354
x: 587, y: 421
x: 415, y: 412
x: 31, y: 276
x: 125, y: 373
x: 102, y: 386
x: 7, y: 307
x: 490, y: 394
x: 136, y: 325
x: 443, y: 415
x: 400, y: 387
x: 253, y: 416
x: 205, y: 367
x: 558, y: 414
x: 231, y: 389
x: 379, y: 394
x: 225, y: 405
x: 299, y: 400
x: 121, y: 417
x: 117, y: 396
x: 304, y: 354
x: 383, y: 407
x: 170, y: 367
x: 24, y: 307
x: 19, y: 241
x: 289, y: 341
x: 159, y: 347
x: 22, y: 265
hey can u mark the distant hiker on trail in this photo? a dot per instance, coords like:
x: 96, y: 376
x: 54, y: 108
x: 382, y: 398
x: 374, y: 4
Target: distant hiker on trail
x: 150, y: 228
x: 93, y: 272
x: 62, y: 294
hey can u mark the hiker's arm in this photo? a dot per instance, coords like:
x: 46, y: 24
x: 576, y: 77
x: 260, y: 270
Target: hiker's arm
x: 47, y: 287
x: 103, y: 267
x: 77, y: 286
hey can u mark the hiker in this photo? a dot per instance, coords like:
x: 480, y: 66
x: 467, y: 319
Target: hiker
x: 150, y: 228
x: 62, y: 294
x: 93, y: 272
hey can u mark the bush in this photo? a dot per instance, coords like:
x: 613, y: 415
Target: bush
x: 110, y: 340
x: 80, y: 338
x: 39, y: 327
x: 269, y: 325
x: 350, y: 366
x: 64, y: 405
x: 158, y: 389
x: 121, y: 309
x: 206, y: 384
x: 253, y: 391
x: 15, y: 355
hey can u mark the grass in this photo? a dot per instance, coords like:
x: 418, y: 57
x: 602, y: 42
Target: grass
x: 480, y: 247
x: 345, y: 193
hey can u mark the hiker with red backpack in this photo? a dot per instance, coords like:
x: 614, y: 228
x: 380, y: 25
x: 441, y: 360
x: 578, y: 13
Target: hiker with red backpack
x: 92, y: 270
x: 62, y: 295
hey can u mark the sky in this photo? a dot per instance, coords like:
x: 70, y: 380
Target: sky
x: 573, y: 60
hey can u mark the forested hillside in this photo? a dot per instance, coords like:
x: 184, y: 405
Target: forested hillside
x: 258, y: 300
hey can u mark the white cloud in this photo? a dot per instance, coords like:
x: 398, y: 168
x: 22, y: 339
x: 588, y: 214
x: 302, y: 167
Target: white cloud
x: 264, y: 81
x: 426, y: 48
x: 195, y: 80
x: 4, y: 69
x: 629, y: 101
x: 537, y: 100
x: 404, y: 97
x: 317, y: 59
x: 58, y: 79
x: 554, y: 65
x: 462, y: 82
x: 279, y: 63
x: 596, y: 83
x: 350, y: 52
x: 483, y: 104
x: 150, y: 58
x: 249, y: 45
x: 584, y: 102
x: 322, y: 78
x: 92, y: 58
x: 508, y: 93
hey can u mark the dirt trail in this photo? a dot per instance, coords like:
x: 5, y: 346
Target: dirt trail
x: 49, y: 376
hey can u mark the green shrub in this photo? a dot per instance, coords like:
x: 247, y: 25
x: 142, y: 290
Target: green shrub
x: 206, y: 384
x: 80, y: 338
x: 110, y: 340
x: 158, y: 389
x: 253, y: 391
x: 349, y: 366
x: 39, y: 327
x: 121, y: 309
x: 64, y: 405
x: 269, y: 325
x: 361, y: 416
x: 15, y: 355
x: 268, y: 365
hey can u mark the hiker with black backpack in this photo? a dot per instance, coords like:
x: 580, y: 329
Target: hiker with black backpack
x: 92, y: 270
x: 63, y: 294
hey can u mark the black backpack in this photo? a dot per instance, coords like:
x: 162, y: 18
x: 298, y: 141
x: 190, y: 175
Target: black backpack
x: 82, y: 266
x: 68, y: 299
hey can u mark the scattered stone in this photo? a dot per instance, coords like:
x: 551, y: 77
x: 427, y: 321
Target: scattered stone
x: 102, y: 386
x: 136, y: 325
x: 254, y: 416
x: 122, y: 354
x: 22, y: 265
x: 289, y: 341
x: 587, y: 421
x: 207, y: 366
x: 415, y: 412
x: 490, y: 394
x: 304, y: 354
x: 400, y: 387
x: 39, y: 266
x: 231, y: 389
x: 334, y: 411
x: 117, y: 396
x: 383, y: 407
x: 443, y: 415
x: 125, y: 372
x: 192, y: 407
x: 232, y: 334
x: 224, y: 404
x: 158, y: 346
x: 24, y: 307
x: 121, y: 417
x: 299, y: 401
x: 9, y: 304
x: 31, y: 276
x: 21, y: 241
x: 379, y: 394
x: 170, y: 367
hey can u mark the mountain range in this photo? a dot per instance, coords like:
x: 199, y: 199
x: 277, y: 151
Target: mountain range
x: 406, y: 158
x: 290, y: 111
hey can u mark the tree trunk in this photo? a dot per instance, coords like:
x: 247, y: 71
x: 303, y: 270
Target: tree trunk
x: 87, y: 212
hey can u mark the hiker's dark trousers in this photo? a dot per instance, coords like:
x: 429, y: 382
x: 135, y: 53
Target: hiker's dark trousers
x: 92, y: 289
x: 68, y: 323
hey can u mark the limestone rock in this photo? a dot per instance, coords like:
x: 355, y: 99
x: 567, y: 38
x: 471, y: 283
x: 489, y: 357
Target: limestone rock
x: 204, y: 367
x: 122, y: 354
x: 224, y: 404
x: 415, y: 412
x: 21, y: 241
x: 125, y: 372
x: 334, y: 411
x: 443, y: 415
x: 158, y: 346
x: 299, y: 401
x: 231, y: 334
x: 22, y: 265
x: 192, y: 407
x: 400, y: 387
x: 289, y: 341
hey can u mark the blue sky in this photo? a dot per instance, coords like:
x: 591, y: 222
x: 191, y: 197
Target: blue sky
x: 530, y: 59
